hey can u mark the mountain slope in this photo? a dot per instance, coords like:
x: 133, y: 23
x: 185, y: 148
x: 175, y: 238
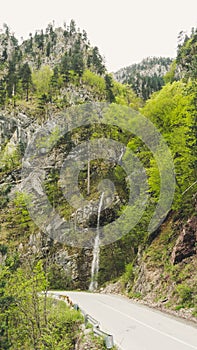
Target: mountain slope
x: 145, y: 77
x: 57, y: 73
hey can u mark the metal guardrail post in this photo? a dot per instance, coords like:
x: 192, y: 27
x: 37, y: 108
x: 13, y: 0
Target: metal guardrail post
x: 86, y: 320
x: 76, y: 306
x: 109, y: 343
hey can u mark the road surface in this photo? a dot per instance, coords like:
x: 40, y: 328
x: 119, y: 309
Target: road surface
x: 134, y: 326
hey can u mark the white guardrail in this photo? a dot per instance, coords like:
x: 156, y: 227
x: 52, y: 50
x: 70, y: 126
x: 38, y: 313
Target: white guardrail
x: 108, y: 338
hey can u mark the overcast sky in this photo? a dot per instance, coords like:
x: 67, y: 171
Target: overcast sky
x: 126, y: 31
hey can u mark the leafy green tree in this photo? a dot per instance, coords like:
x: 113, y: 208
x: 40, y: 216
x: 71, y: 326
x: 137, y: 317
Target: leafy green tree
x: 192, y: 133
x: 30, y: 320
x: 41, y: 80
x: 95, y: 82
x: 6, y: 300
x: 27, y: 315
x: 170, y: 76
x: 170, y: 111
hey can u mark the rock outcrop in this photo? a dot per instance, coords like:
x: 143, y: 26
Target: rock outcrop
x: 186, y: 244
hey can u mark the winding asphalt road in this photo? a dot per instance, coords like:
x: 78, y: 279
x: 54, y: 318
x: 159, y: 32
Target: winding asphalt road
x: 134, y: 326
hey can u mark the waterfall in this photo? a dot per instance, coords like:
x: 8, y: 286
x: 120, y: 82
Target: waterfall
x: 96, y: 250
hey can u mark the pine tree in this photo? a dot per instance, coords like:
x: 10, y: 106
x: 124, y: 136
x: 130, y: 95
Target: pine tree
x: 26, y: 79
x: 2, y: 92
x: 11, y: 79
x: 77, y: 59
x: 97, y: 61
x: 65, y: 67
x: 108, y: 88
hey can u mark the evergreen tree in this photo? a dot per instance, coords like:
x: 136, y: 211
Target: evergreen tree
x: 2, y: 92
x: 26, y: 79
x: 109, y: 88
x: 29, y: 44
x: 56, y: 81
x: 11, y: 79
x: 187, y: 55
x: 72, y: 27
x: 65, y: 67
x: 48, y: 49
x: 97, y: 61
x: 77, y: 59
x: 4, y: 55
x: 39, y: 39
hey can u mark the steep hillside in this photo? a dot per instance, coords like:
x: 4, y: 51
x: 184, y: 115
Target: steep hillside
x: 145, y: 77
x: 39, y: 80
x: 36, y: 85
x: 163, y: 273
x: 63, y: 173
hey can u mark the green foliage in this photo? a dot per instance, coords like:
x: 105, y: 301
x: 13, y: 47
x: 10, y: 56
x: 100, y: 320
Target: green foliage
x: 51, y: 86
x: 21, y: 313
x: 2, y: 92
x: 11, y: 79
x: 58, y: 279
x: 41, y: 80
x: 185, y: 294
x: 56, y: 82
x: 77, y: 69
x: 62, y: 327
x: 170, y: 76
x: 29, y: 319
x: 10, y: 157
x: 170, y: 111
x: 21, y: 221
x: 3, y: 249
x: 124, y: 95
x: 128, y: 275
x: 65, y: 67
x: 95, y: 82
x: 187, y: 54
x: 109, y: 88
x: 146, y: 77
x: 77, y: 63
x: 25, y: 76
x: 95, y: 62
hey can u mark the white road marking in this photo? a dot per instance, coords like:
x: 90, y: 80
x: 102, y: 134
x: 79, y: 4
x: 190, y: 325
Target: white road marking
x: 150, y: 327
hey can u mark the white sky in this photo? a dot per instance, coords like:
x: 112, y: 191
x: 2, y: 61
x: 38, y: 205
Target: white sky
x: 126, y: 31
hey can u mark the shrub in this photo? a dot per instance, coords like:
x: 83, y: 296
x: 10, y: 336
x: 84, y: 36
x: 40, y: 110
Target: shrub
x: 185, y: 294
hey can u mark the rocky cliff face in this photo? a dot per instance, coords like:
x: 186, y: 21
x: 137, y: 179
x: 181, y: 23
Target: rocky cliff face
x: 69, y: 266
x: 16, y: 131
x: 165, y: 272
x: 186, y: 244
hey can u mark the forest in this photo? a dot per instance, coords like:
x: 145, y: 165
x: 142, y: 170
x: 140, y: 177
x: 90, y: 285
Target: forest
x: 55, y: 70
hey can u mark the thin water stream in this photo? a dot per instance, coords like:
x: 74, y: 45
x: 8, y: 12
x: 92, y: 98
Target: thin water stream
x: 96, y: 250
